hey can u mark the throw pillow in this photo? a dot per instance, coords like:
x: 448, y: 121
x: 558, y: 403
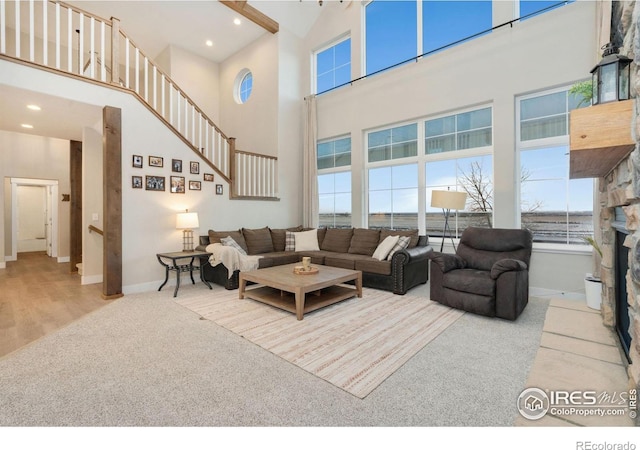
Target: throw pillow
x: 306, y: 240
x: 337, y: 240
x: 403, y: 242
x: 413, y: 234
x: 258, y: 240
x: 279, y: 235
x: 385, y: 247
x: 229, y: 242
x: 215, y: 236
x: 364, y: 241
x: 290, y: 242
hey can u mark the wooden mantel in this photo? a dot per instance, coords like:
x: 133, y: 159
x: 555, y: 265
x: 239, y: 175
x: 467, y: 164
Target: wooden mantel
x: 600, y: 137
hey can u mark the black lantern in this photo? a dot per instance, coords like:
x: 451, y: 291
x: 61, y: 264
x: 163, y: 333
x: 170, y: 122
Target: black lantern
x: 611, y: 76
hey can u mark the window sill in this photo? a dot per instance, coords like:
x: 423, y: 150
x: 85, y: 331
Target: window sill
x: 566, y: 249
x: 538, y: 247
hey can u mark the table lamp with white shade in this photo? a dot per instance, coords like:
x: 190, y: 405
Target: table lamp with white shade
x: 448, y: 200
x: 186, y: 222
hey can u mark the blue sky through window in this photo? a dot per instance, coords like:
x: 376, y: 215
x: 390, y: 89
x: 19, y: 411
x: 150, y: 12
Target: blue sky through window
x: 246, y: 85
x: 391, y: 33
x: 333, y: 66
x: 445, y: 22
x: 532, y: 6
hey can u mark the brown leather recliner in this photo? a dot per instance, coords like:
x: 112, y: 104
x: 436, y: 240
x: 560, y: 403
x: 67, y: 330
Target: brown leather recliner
x: 488, y: 275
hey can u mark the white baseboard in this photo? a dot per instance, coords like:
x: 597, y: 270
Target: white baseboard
x: 548, y: 293
x: 10, y: 258
x: 64, y: 259
x: 3, y: 265
x: 146, y: 287
x: 93, y: 279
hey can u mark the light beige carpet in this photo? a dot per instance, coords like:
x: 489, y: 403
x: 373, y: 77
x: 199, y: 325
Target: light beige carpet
x: 354, y: 345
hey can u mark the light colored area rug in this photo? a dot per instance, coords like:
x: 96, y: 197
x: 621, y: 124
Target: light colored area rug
x: 354, y: 345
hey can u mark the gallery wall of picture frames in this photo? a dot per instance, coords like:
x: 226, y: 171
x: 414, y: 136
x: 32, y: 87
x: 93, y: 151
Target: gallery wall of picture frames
x: 177, y: 183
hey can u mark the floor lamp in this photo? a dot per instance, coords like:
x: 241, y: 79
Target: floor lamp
x: 448, y: 200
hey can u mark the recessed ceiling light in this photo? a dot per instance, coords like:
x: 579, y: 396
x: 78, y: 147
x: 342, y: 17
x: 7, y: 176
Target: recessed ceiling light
x: 34, y: 107
x: 26, y: 125
x: 209, y: 43
x: 237, y: 21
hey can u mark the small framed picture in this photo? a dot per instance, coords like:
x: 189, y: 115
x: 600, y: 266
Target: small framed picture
x: 137, y: 161
x: 153, y: 183
x: 177, y: 185
x: 195, y: 185
x: 176, y: 165
x: 219, y: 189
x: 208, y: 177
x: 195, y: 167
x: 156, y: 161
x: 136, y: 182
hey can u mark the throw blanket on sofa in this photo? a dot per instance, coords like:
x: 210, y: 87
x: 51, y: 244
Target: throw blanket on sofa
x: 231, y: 258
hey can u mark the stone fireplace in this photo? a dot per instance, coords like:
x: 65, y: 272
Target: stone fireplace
x: 620, y: 266
x: 619, y: 201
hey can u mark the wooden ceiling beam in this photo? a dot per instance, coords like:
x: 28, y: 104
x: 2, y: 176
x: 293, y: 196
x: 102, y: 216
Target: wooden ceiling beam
x: 243, y: 8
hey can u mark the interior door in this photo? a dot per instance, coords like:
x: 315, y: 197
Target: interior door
x: 32, y: 218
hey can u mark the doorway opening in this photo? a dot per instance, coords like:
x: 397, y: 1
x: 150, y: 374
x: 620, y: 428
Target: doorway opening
x: 34, y: 216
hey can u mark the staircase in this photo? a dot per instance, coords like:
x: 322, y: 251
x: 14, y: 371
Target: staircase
x: 87, y: 47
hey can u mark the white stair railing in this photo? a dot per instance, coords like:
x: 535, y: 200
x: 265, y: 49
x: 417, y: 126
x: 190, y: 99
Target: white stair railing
x: 76, y: 42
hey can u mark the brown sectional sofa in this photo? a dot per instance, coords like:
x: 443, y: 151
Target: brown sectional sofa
x: 349, y: 248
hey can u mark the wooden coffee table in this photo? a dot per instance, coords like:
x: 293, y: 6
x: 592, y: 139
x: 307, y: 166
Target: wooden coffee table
x: 278, y: 286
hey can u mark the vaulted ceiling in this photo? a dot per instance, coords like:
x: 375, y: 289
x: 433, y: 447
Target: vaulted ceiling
x: 154, y: 25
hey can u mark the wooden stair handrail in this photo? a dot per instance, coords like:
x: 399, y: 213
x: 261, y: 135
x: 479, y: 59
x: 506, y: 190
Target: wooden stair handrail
x: 96, y: 229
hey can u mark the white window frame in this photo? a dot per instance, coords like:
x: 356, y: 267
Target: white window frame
x: 314, y: 59
x: 237, y: 84
x: 536, y: 144
x: 422, y: 158
x: 339, y: 169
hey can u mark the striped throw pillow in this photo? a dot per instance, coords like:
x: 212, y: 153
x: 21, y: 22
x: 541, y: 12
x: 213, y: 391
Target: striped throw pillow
x: 290, y: 242
x: 402, y: 243
x: 229, y: 242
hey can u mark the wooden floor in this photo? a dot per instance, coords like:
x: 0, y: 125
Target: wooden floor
x: 38, y: 295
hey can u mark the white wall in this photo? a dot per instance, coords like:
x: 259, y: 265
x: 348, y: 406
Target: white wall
x: 255, y: 123
x: 92, y: 201
x: 198, y: 77
x: 554, y: 49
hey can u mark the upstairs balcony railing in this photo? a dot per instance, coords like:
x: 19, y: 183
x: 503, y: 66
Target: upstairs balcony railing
x: 69, y: 40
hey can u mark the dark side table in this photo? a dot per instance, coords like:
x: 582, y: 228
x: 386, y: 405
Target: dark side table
x: 180, y: 262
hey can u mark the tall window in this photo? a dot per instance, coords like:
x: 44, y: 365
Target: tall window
x: 391, y: 33
x: 446, y: 22
x: 334, y: 182
x: 454, y: 154
x: 393, y: 197
x: 554, y: 207
x: 333, y: 66
x: 470, y: 171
